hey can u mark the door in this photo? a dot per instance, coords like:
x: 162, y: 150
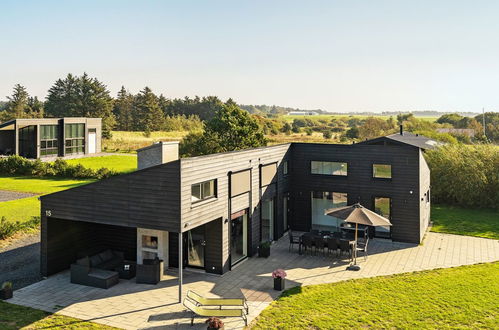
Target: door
x: 92, y: 141
x: 195, y: 247
x: 268, y: 220
x: 238, y: 236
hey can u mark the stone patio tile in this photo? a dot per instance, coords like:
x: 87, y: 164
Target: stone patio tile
x: 137, y: 306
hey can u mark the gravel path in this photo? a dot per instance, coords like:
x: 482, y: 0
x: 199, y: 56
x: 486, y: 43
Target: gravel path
x: 20, y: 261
x: 6, y: 195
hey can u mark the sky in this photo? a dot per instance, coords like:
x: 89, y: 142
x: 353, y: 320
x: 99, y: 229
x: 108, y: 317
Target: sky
x: 370, y: 55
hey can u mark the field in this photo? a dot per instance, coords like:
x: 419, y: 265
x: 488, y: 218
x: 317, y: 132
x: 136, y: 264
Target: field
x: 118, y: 163
x: 463, y: 297
x: 291, y: 118
x: 17, y: 317
x: 464, y: 221
x: 25, y: 208
x: 131, y: 141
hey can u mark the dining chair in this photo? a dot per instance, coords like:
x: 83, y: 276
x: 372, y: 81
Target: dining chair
x: 320, y: 244
x: 332, y: 245
x: 293, y: 240
x: 345, y: 247
x: 307, y: 243
x: 362, y: 247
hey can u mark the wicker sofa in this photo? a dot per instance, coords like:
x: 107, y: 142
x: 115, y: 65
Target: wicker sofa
x: 98, y: 270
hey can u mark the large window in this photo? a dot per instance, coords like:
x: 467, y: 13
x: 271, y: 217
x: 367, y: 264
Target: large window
x: 267, y: 174
x: 240, y: 183
x: 74, y: 135
x: 204, y: 190
x: 383, y: 206
x: 329, y: 168
x: 382, y: 171
x: 49, y: 140
x: 323, y: 200
x: 267, y: 220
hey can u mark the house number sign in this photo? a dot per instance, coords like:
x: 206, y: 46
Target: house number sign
x: 48, y: 213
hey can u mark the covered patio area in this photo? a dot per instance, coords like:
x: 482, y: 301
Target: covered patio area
x: 139, y: 306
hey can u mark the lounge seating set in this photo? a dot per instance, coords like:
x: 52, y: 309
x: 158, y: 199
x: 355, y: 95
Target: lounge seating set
x: 326, y: 242
x: 217, y: 307
x: 105, y: 269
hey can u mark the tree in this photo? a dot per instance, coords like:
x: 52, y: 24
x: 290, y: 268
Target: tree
x: 404, y: 117
x: 352, y: 133
x: 123, y: 110
x: 17, y: 105
x: 35, y: 107
x: 81, y: 97
x: 286, y: 129
x: 450, y: 118
x: 231, y: 129
x: 148, y: 115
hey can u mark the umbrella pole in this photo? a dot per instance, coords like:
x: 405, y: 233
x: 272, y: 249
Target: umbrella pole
x: 355, y: 247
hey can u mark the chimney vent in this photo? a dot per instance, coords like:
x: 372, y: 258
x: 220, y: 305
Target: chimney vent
x: 156, y: 154
x: 401, y: 129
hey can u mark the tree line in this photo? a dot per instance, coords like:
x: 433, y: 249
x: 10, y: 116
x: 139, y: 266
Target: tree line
x: 84, y: 96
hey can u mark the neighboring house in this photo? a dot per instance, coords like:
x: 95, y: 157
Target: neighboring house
x: 459, y: 131
x: 222, y: 206
x: 302, y: 113
x: 50, y: 137
x: 404, y: 138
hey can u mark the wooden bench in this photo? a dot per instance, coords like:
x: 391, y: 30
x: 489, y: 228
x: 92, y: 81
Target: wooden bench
x: 202, y: 306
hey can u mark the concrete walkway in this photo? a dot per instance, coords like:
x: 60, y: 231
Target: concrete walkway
x: 137, y: 306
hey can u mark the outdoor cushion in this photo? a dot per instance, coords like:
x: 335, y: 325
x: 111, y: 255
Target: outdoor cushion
x: 95, y: 260
x: 83, y: 261
x: 110, y: 264
x: 106, y: 255
x: 101, y: 273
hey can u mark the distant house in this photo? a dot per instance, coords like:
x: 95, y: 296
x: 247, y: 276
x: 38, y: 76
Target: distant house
x: 302, y: 113
x: 460, y: 131
x: 50, y: 137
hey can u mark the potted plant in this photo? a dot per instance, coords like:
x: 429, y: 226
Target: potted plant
x: 214, y: 323
x: 279, y: 275
x: 264, y: 250
x: 6, y: 291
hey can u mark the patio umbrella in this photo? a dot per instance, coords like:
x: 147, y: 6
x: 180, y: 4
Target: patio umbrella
x: 357, y: 214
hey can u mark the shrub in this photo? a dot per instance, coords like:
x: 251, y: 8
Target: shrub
x: 8, y: 228
x: 465, y: 175
x: 327, y: 134
x: 16, y: 165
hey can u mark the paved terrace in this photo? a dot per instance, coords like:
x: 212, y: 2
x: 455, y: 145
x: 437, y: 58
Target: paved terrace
x: 129, y: 305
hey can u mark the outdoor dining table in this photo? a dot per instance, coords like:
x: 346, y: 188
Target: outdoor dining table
x: 314, y: 236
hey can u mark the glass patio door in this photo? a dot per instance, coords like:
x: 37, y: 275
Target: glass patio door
x: 195, y: 247
x: 268, y: 220
x: 238, y: 237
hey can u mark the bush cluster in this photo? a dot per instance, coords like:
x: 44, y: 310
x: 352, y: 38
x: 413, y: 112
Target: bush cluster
x: 17, y: 165
x: 465, y: 175
x: 8, y: 229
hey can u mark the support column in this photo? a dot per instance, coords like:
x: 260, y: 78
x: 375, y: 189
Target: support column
x: 180, y: 267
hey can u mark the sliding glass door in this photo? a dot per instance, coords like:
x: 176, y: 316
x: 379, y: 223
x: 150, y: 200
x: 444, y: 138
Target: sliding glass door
x: 268, y: 220
x: 238, y: 236
x: 195, y: 247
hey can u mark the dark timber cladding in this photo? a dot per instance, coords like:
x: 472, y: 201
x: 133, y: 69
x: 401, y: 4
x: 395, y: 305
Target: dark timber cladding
x: 403, y: 188
x: 220, y: 166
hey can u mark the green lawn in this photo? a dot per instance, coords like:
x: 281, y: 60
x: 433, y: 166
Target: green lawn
x: 16, y: 317
x: 119, y: 163
x: 25, y: 208
x: 464, y: 221
x: 462, y: 297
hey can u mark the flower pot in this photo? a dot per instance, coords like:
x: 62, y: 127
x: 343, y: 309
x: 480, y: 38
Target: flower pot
x: 210, y: 328
x: 279, y: 283
x: 264, y: 252
x: 6, y: 294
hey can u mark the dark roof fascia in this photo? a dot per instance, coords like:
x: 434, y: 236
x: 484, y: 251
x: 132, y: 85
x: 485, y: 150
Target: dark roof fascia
x: 8, y: 123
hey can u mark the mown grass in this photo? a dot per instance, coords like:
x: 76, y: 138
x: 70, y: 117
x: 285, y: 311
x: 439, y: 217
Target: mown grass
x: 465, y: 221
x: 26, y: 208
x: 17, y: 317
x: 118, y: 163
x: 462, y: 297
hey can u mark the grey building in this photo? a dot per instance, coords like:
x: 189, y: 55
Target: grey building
x: 50, y: 137
x: 211, y: 212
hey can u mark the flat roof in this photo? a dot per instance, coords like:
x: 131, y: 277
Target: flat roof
x: 7, y: 125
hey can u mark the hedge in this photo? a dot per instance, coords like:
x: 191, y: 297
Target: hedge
x: 17, y: 165
x: 8, y: 229
x: 465, y: 175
